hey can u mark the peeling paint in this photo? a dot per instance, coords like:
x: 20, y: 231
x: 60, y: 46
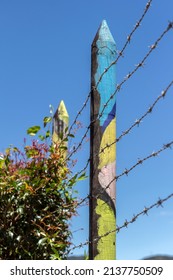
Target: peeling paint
x: 106, y: 223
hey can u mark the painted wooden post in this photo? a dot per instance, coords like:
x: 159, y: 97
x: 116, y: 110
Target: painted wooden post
x: 60, y: 123
x: 103, y: 133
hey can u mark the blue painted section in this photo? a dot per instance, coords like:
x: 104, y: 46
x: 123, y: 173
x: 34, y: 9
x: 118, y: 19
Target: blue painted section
x: 109, y: 118
x: 106, y: 55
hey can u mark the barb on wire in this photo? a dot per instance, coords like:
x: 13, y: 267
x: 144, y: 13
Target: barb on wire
x: 83, y: 200
x: 80, y: 112
x: 139, y: 162
x: 144, y: 212
x: 79, y: 144
x: 127, y: 171
x: 126, y: 223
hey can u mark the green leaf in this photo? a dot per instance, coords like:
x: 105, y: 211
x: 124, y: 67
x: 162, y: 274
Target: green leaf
x: 48, y: 134
x: 15, y: 149
x: 63, y: 147
x: 56, y: 254
x: 2, y: 161
x: 33, y: 130
x: 82, y: 177
x: 71, y: 135
x: 10, y: 233
x: 42, y: 241
x: 65, y: 139
x: 20, y: 210
x: 47, y: 120
x: 73, y: 180
x: 41, y: 137
x: 7, y: 161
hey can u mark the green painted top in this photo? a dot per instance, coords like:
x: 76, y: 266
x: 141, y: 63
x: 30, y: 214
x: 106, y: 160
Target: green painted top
x: 103, y: 34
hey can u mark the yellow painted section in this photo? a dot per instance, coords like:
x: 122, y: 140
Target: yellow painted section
x: 62, y: 113
x: 55, y: 138
x: 106, y: 223
x: 109, y: 154
x: 63, y: 116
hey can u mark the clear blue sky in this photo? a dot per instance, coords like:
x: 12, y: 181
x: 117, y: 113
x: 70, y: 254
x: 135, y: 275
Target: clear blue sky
x: 45, y: 57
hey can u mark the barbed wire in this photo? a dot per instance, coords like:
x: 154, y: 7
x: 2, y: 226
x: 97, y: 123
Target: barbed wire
x: 120, y: 54
x: 139, y: 121
x: 119, y: 86
x: 140, y: 64
x: 140, y: 161
x: 136, y: 123
x: 127, y: 171
x: 145, y: 211
x: 127, y: 131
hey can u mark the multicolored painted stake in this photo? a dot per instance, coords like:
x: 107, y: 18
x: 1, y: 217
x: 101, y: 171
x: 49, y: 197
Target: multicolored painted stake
x: 60, y: 123
x: 102, y: 154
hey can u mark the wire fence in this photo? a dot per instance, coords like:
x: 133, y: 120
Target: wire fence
x: 119, y: 86
x: 138, y: 122
x: 120, y: 54
x: 145, y: 211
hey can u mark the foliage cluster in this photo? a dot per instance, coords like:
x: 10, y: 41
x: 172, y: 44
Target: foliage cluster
x: 36, y: 200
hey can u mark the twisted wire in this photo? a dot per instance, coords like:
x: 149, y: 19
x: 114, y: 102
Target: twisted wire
x: 119, y: 86
x: 158, y: 203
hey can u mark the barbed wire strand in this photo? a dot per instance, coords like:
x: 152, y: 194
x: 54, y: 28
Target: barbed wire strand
x: 145, y: 211
x: 118, y: 88
x: 127, y: 131
x: 141, y: 64
x: 141, y: 161
x: 120, y: 54
x: 139, y: 121
x: 127, y: 171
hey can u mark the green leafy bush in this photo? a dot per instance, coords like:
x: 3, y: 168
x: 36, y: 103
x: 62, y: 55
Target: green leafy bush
x: 36, y: 200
